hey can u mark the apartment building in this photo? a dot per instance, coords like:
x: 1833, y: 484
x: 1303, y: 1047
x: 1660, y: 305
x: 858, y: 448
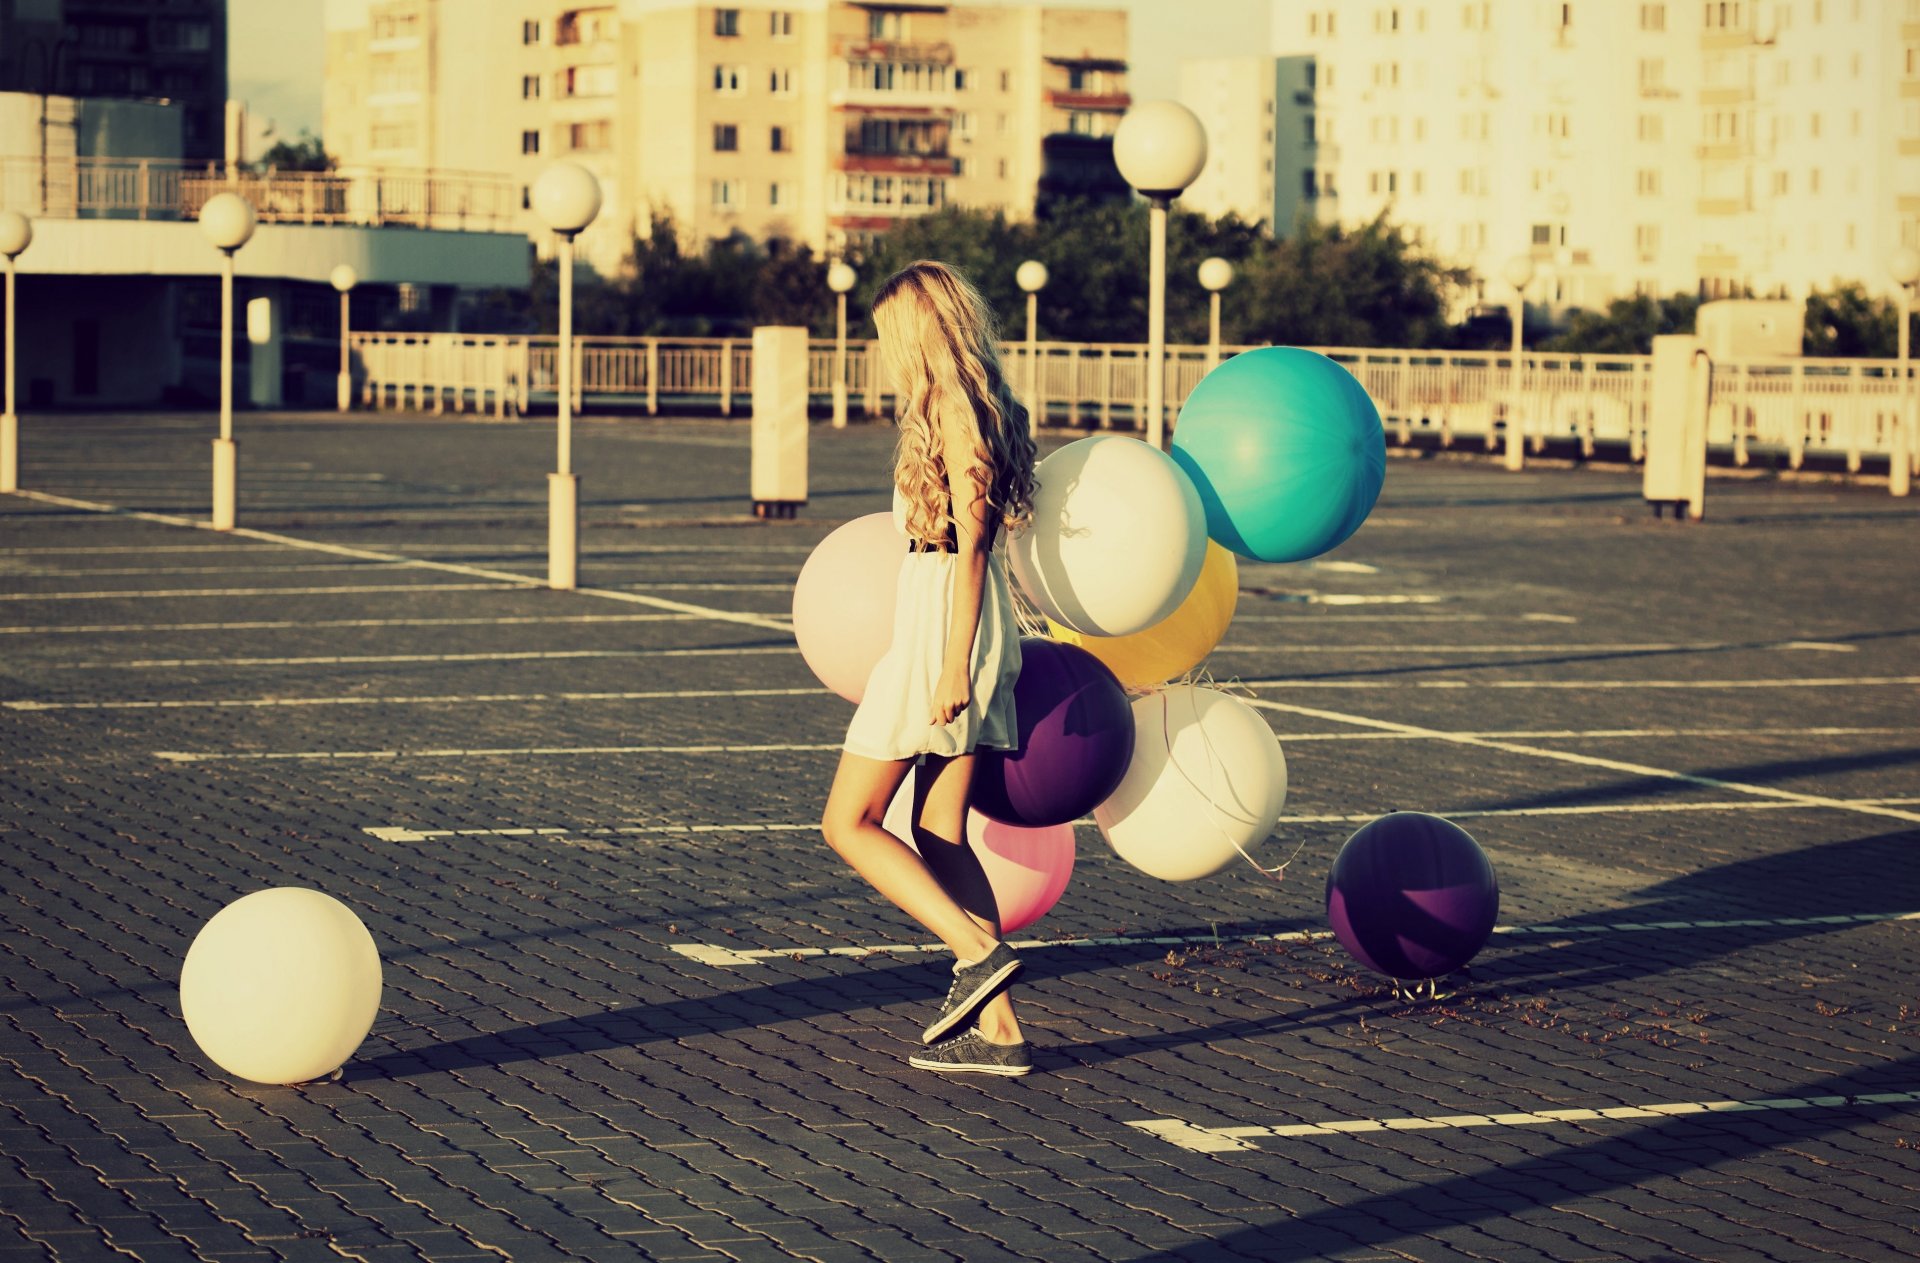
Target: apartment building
x: 821, y: 120
x: 1723, y: 146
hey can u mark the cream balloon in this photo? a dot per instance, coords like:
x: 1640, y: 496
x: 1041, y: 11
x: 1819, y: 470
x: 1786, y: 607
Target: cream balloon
x: 1207, y: 782
x: 1117, y: 540
x: 281, y: 985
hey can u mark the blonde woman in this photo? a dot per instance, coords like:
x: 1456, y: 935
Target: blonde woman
x: 963, y: 477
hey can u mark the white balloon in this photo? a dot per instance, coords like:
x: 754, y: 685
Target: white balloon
x: 1117, y: 539
x: 1207, y: 781
x: 281, y: 986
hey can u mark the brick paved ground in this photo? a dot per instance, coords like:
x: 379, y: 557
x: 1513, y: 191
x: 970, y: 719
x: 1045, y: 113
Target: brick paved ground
x: 1674, y: 727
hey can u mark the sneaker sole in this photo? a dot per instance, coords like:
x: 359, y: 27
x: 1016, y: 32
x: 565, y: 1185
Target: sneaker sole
x: 970, y: 1067
x: 981, y: 994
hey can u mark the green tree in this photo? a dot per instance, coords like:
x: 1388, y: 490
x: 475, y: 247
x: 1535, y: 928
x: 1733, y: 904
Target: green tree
x: 1628, y: 326
x: 1846, y: 322
x: 304, y: 153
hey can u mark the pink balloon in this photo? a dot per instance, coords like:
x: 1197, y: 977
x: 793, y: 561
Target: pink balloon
x: 843, y: 602
x: 1028, y: 869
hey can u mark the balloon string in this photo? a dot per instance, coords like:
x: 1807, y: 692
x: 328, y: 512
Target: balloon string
x: 1278, y: 873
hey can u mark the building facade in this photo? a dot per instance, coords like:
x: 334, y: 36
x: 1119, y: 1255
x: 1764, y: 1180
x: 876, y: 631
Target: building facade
x: 1654, y: 146
x: 819, y: 120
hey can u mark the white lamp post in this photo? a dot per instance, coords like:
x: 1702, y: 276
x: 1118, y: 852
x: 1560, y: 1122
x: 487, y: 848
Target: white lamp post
x: 16, y: 234
x: 227, y: 220
x: 344, y: 278
x: 566, y: 198
x: 1031, y: 277
x: 1905, y: 268
x: 1518, y: 272
x: 1215, y: 275
x: 840, y: 279
x: 1160, y: 149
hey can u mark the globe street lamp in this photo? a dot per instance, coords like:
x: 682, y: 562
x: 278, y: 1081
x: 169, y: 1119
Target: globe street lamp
x: 344, y: 278
x: 1518, y: 272
x: 1160, y: 149
x: 1905, y: 269
x: 16, y: 234
x: 227, y: 220
x: 840, y: 279
x: 566, y: 198
x: 1215, y: 275
x: 1031, y: 277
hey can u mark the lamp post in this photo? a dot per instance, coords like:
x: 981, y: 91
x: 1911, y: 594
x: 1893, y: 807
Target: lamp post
x: 16, y: 234
x: 1160, y: 148
x: 1518, y: 273
x: 566, y: 198
x: 344, y: 278
x: 1031, y: 277
x: 840, y: 279
x: 1215, y: 275
x: 1905, y: 268
x: 227, y: 220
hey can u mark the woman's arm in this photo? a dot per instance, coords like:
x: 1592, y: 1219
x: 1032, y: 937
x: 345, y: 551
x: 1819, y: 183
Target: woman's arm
x: 961, y: 454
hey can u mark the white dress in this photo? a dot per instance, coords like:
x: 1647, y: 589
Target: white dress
x: 894, y: 718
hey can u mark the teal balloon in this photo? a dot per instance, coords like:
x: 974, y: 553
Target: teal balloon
x: 1286, y: 450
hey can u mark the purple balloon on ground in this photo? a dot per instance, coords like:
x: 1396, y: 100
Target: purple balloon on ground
x: 1076, y: 739
x: 1412, y: 896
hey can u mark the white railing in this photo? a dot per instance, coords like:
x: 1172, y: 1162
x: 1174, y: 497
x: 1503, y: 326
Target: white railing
x: 156, y: 188
x: 1835, y: 408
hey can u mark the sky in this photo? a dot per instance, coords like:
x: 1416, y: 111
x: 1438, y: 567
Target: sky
x: 275, y: 49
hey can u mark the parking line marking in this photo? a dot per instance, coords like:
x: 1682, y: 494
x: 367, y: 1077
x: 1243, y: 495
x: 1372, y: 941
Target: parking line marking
x: 367, y: 554
x: 1800, y: 682
x: 119, y: 572
x: 516, y: 655
x: 245, y: 703
x: 1611, y: 765
x: 1196, y: 1139
x: 150, y: 594
x: 1701, y: 646
x: 730, y: 957
x: 280, y: 624
x: 256, y: 756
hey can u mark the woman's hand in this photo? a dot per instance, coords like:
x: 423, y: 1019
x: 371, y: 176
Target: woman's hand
x: 951, y: 695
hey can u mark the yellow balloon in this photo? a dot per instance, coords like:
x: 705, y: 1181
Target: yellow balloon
x: 1176, y: 644
x: 281, y: 986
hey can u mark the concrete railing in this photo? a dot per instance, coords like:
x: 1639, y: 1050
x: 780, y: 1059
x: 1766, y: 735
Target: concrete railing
x: 1834, y: 408
x: 156, y: 188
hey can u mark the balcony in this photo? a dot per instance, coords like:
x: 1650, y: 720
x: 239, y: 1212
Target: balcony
x: 879, y: 163
x: 894, y: 50
x: 1068, y: 99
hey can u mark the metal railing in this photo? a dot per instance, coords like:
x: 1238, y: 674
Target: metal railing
x: 1842, y: 409
x: 158, y: 188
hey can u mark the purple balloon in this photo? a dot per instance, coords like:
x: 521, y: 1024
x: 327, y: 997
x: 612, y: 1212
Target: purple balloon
x: 1076, y: 739
x: 1412, y: 896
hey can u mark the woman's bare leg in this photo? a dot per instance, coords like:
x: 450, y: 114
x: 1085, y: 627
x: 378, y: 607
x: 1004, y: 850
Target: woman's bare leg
x: 941, y: 792
x: 856, y: 805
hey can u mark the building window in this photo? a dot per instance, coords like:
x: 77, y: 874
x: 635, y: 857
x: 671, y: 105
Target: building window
x: 1653, y: 17
x: 1646, y: 182
x: 1003, y: 168
x: 526, y: 197
x: 590, y: 136
x: 1307, y: 186
x: 777, y: 194
x: 529, y: 87
x: 777, y: 140
x: 1002, y: 123
x: 726, y: 138
x: 729, y: 80
x: 780, y: 24
x: 780, y: 81
x: 726, y: 22
x: 727, y: 195
x: 959, y: 80
x: 963, y: 125
x: 1646, y: 240
x: 530, y: 141
x: 1006, y: 80
x: 884, y: 25
x: 1651, y: 127
x: 959, y: 166
x: 587, y: 81
x: 530, y: 32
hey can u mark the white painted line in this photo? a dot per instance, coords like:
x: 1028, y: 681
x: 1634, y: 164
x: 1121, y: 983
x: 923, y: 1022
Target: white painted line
x: 1343, y: 567
x: 1227, y: 1139
x: 712, y: 954
x: 151, y: 594
x: 1611, y: 765
x: 190, y: 756
x: 1799, y: 682
x: 402, y: 833
x: 517, y: 655
x: 1821, y: 646
x: 89, y: 572
x: 138, y: 549
x: 367, y: 554
x: 245, y: 703
x: 265, y: 624
x: 1355, y: 598
x: 1700, y: 646
x: 1548, y: 618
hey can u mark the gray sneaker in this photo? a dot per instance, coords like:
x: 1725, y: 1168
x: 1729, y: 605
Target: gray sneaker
x: 970, y: 1052
x: 973, y: 985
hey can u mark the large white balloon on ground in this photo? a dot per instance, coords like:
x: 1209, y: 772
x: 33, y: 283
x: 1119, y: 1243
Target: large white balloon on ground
x: 1027, y: 869
x: 1207, y: 783
x: 1117, y: 540
x: 281, y: 986
x: 844, y: 599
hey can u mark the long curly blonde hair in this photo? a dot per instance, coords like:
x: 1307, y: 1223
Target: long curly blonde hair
x: 938, y: 341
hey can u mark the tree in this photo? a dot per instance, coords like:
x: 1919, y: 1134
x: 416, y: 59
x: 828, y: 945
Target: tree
x: 1846, y: 322
x: 304, y: 153
x: 1628, y: 326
